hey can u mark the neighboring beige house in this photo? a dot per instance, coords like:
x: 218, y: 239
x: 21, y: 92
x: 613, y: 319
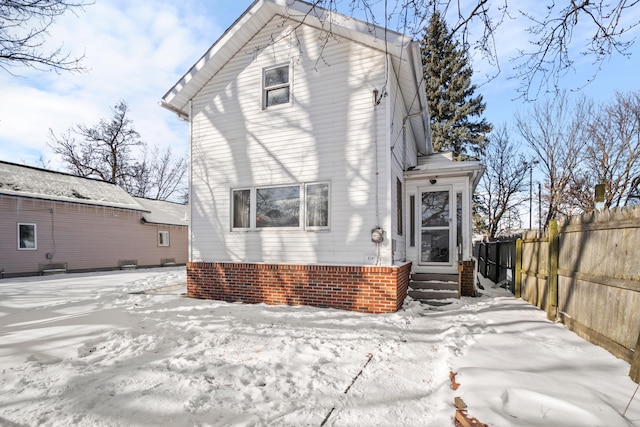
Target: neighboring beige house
x: 313, y: 177
x: 52, y: 222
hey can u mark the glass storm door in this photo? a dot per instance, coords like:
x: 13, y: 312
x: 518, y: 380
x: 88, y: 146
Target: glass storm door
x: 436, y: 227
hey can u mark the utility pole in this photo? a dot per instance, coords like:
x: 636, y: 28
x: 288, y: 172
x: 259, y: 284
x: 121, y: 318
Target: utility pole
x: 539, y: 208
x: 530, y: 165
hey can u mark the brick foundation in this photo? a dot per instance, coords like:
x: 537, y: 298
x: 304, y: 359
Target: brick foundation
x: 365, y: 289
x: 466, y: 271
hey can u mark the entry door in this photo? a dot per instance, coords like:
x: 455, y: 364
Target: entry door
x: 437, y: 227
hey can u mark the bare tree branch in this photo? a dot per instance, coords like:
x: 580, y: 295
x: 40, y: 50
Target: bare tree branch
x: 503, y: 180
x: 24, y: 28
x: 113, y: 151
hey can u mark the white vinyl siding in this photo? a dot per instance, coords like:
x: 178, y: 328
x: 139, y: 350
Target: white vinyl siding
x: 329, y: 134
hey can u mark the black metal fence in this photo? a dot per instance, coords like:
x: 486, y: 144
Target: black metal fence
x: 497, y: 260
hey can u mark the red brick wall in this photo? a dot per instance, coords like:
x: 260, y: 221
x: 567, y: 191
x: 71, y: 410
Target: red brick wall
x: 466, y: 272
x: 365, y: 289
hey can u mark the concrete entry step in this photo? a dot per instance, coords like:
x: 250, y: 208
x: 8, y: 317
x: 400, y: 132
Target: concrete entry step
x: 430, y: 287
x: 446, y: 286
x: 423, y: 295
x: 436, y: 277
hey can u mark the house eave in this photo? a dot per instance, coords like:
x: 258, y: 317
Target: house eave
x: 259, y: 13
x: 473, y: 170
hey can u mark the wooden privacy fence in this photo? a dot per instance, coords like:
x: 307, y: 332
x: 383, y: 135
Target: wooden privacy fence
x: 585, y: 273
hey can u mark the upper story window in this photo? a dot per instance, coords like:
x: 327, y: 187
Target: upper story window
x: 27, y: 237
x: 276, y: 86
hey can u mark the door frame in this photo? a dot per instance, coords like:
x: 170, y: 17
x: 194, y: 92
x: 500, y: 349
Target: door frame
x: 452, y: 228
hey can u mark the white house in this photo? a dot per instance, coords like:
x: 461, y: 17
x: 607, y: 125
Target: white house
x: 313, y: 178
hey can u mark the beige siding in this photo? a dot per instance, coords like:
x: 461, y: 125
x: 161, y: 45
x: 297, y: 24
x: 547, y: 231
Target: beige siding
x: 85, y: 237
x: 329, y: 133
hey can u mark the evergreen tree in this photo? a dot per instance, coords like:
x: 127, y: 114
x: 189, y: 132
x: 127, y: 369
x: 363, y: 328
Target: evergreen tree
x: 456, y: 122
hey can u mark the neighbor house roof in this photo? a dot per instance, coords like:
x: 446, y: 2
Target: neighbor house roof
x: 163, y: 212
x: 28, y: 181
x: 403, y: 51
x: 31, y: 182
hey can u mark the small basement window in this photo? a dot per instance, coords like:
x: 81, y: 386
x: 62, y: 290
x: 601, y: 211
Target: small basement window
x: 276, y: 86
x: 27, y: 237
x: 163, y: 238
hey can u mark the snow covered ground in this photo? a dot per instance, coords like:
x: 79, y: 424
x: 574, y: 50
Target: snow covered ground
x: 92, y: 350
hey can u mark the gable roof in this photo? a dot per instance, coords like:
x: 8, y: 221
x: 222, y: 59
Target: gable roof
x: 35, y: 183
x: 403, y: 51
x: 28, y: 181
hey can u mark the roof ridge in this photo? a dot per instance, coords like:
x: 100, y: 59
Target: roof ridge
x: 55, y: 172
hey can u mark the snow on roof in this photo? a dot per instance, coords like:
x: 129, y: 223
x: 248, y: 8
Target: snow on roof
x: 162, y: 212
x: 27, y: 181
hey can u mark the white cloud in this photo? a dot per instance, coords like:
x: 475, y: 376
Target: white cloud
x: 134, y: 51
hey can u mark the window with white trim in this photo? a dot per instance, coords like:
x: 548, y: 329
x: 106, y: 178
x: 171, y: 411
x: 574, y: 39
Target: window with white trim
x: 276, y: 86
x: 317, y: 205
x: 278, y: 206
x: 27, y: 237
x: 287, y: 206
x: 241, y: 208
x: 163, y: 238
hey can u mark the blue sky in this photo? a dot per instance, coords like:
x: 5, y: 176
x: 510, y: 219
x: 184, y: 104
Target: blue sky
x: 136, y: 50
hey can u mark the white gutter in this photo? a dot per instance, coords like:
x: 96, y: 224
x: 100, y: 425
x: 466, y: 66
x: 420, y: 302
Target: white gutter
x: 182, y: 115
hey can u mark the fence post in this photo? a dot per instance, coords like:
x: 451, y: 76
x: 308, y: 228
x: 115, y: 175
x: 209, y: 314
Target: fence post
x: 496, y: 269
x: 486, y: 261
x: 517, y: 279
x: 552, y: 275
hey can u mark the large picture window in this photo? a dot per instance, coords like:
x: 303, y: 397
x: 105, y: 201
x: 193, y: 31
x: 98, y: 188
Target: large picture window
x: 281, y: 207
x: 27, y: 237
x: 276, y: 86
x: 278, y: 207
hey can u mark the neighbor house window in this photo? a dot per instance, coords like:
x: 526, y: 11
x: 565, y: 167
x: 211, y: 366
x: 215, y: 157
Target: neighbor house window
x: 27, y: 237
x: 163, y: 238
x: 276, y: 86
x: 278, y: 207
x: 282, y: 206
